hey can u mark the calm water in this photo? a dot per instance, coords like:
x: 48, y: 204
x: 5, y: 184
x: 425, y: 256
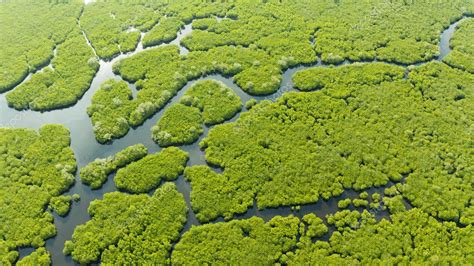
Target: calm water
x: 87, y: 149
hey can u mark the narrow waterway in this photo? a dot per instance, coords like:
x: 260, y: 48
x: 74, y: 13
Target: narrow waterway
x: 87, y: 149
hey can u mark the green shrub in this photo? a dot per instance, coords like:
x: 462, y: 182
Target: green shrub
x: 249, y: 242
x: 107, y: 25
x: 63, y: 84
x: 127, y: 229
x: 165, y: 31
x: 358, y: 74
x: 60, y: 204
x: 95, y: 173
x: 216, y: 101
x: 110, y: 110
x: 28, y: 46
x: 35, y: 169
x: 342, y: 204
x: 39, y: 257
x: 462, y: 55
x: 145, y: 174
x: 180, y: 124
x: 411, y: 237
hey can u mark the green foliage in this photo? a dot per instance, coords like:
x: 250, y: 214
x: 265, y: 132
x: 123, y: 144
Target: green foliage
x: 386, y: 30
x: 247, y: 242
x: 284, y: 36
x: 62, y: 85
x: 412, y: 237
x: 110, y: 109
x: 128, y: 229
x: 34, y: 169
x: 441, y: 182
x: 212, y: 195
x: 216, y: 101
x: 376, y: 197
x: 462, y: 55
x: 360, y: 203
x: 107, y: 26
x: 369, y: 124
x: 180, y: 124
x: 76, y: 197
x: 27, y: 45
x: 39, y: 257
x: 391, y: 191
x: 7, y: 253
x: 342, y: 204
x: 95, y: 173
x: 250, y: 103
x: 394, y: 204
x: 163, y: 32
x: 60, y: 204
x: 315, y: 226
x: 348, y: 75
x: 346, y: 220
x: 160, y: 72
x: 145, y: 174
x: 306, y: 146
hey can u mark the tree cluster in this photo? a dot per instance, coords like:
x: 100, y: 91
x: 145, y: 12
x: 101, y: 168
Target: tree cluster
x: 411, y: 237
x: 462, y: 54
x: 356, y: 74
x: 95, y: 173
x: 108, y: 26
x: 147, y: 173
x: 249, y: 242
x: 317, y: 144
x: 130, y: 229
x: 180, y: 124
x: 27, y: 45
x: 35, y: 169
x: 61, y: 85
x: 214, y: 99
x: 166, y: 31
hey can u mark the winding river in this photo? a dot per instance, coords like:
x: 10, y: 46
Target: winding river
x: 87, y: 149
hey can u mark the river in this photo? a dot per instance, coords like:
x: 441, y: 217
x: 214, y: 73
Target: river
x: 86, y: 148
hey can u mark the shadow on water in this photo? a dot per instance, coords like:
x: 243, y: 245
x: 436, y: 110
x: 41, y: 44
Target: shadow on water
x: 87, y: 149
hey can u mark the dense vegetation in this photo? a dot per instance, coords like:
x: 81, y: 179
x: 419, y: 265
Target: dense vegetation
x: 35, y: 168
x: 63, y: 84
x: 405, y: 32
x: 109, y: 110
x: 165, y: 31
x: 27, y: 44
x: 247, y: 242
x: 256, y: 42
x: 95, y: 173
x: 109, y: 26
x: 208, y: 101
x: 145, y: 174
x: 39, y: 257
x: 412, y: 237
x: 130, y: 229
x: 214, y: 99
x: 348, y: 75
x: 61, y: 204
x: 307, y: 146
x: 179, y: 125
x: 382, y: 119
x: 462, y: 55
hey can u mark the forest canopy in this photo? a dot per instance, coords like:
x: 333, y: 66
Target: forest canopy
x: 32, y: 163
x: 354, y: 145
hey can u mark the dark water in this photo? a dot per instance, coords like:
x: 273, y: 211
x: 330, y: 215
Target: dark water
x: 87, y: 149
